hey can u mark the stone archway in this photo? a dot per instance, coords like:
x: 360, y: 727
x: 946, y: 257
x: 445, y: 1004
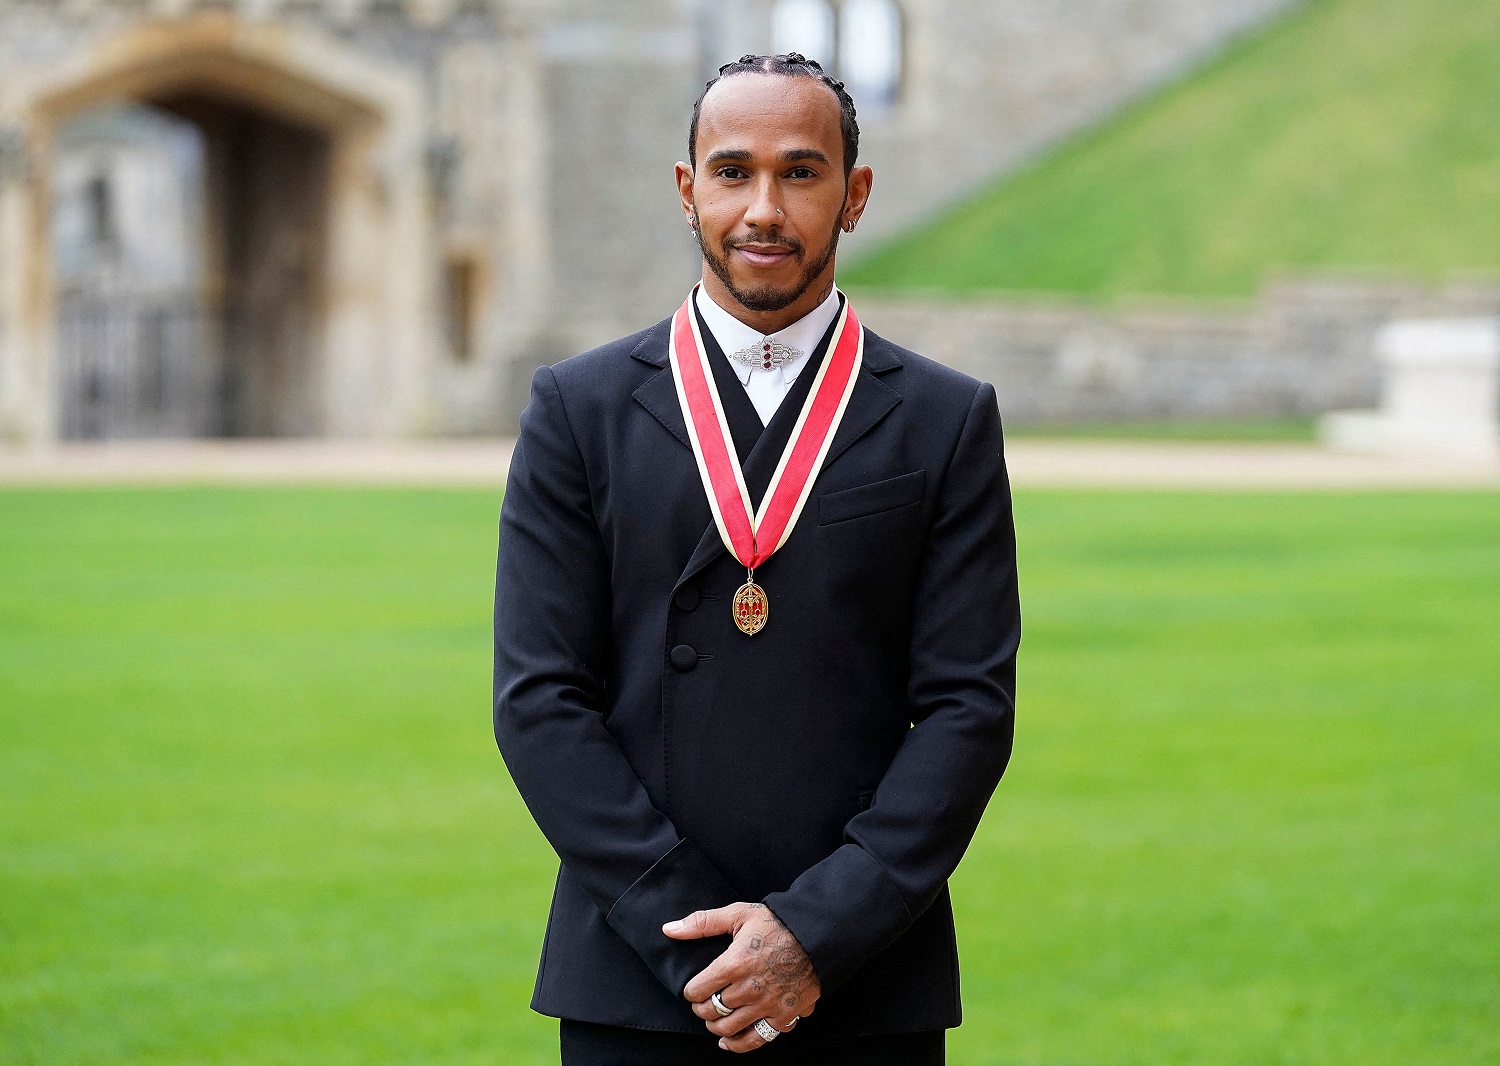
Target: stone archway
x: 311, y: 170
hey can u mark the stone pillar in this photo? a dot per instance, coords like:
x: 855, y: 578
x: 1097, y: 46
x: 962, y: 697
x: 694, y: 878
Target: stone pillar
x: 1440, y: 395
x: 13, y: 258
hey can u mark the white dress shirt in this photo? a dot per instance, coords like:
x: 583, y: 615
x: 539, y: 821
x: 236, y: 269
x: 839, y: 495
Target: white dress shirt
x: 767, y: 388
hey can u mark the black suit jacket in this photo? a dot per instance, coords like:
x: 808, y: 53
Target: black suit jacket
x: 836, y: 764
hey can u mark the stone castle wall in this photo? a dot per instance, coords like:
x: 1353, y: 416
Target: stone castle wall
x: 531, y: 143
x: 986, y: 84
x: 1303, y: 347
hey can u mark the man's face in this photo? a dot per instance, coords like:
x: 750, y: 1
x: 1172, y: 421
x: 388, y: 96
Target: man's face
x: 768, y: 190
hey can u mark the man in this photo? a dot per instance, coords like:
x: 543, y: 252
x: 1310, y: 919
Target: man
x: 755, y: 633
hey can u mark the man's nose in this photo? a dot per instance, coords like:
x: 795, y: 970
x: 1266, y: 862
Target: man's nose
x: 765, y: 210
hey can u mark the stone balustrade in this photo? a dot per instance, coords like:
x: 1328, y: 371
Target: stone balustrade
x: 1302, y: 348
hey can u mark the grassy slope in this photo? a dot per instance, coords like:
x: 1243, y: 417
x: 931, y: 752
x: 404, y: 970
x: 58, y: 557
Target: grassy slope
x: 1357, y: 134
x: 252, y: 811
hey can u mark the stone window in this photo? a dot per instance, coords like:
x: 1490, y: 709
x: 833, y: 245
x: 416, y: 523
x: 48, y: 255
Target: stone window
x: 101, y: 213
x: 463, y: 278
x: 805, y: 26
x: 859, y: 41
x: 870, y: 51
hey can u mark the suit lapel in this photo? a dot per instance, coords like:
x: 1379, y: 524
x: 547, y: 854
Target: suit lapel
x: 659, y: 396
x: 870, y: 402
x: 658, y: 393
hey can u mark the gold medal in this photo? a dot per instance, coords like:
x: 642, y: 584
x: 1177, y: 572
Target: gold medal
x: 751, y: 607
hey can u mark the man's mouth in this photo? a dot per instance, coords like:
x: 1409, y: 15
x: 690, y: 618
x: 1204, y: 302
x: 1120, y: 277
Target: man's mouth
x: 764, y: 254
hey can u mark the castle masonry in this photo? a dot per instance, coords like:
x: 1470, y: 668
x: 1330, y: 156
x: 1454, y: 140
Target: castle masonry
x: 377, y: 217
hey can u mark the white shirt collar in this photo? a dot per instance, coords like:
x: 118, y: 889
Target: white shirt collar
x: 803, y: 334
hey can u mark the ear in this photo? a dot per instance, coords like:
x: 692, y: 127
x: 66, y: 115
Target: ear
x: 860, y: 180
x: 684, y: 175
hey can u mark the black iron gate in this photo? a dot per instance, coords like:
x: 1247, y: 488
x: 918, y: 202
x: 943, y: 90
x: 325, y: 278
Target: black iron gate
x: 141, y: 366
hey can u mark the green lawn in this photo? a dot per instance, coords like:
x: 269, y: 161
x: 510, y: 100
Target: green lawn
x: 1357, y: 135
x: 250, y: 810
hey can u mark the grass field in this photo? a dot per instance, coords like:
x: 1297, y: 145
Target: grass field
x: 250, y: 810
x: 1354, y: 135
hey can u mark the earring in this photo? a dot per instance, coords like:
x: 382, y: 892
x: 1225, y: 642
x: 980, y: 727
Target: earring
x: 849, y: 226
x: 693, y: 223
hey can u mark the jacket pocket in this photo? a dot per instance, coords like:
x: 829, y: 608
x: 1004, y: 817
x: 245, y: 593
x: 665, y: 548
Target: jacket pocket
x: 864, y: 500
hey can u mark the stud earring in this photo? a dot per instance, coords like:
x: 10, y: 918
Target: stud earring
x: 693, y: 223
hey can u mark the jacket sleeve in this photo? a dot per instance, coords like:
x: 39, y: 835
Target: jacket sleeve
x: 966, y: 628
x: 552, y: 617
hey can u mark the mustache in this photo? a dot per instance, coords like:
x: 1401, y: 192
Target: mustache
x: 792, y: 245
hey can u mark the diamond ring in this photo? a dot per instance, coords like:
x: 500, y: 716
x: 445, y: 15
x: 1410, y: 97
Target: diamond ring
x: 767, y: 1031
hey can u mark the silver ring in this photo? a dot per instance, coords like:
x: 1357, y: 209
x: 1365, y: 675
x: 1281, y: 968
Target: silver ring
x: 718, y: 1004
x: 767, y: 1031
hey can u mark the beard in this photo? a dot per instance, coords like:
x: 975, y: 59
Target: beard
x: 768, y: 297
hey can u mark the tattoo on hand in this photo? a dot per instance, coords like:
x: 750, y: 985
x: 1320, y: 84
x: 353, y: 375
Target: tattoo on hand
x: 779, y: 962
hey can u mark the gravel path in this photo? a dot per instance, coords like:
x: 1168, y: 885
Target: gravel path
x: 1033, y: 463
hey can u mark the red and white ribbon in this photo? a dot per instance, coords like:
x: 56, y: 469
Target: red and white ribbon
x: 752, y: 536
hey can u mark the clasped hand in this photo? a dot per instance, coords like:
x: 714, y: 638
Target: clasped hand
x: 763, y: 974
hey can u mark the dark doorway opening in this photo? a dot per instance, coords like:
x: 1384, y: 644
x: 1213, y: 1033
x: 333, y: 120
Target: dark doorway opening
x: 189, y: 235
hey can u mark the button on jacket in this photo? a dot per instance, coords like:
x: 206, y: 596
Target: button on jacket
x: 836, y: 764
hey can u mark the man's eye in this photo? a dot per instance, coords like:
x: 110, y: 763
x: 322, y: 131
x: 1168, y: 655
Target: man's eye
x: 732, y: 173
x: 802, y: 173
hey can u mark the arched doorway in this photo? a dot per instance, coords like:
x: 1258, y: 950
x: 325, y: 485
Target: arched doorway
x: 208, y: 230
x: 189, y: 237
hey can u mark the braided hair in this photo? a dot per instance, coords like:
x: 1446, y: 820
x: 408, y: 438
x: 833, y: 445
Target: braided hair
x: 791, y: 65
